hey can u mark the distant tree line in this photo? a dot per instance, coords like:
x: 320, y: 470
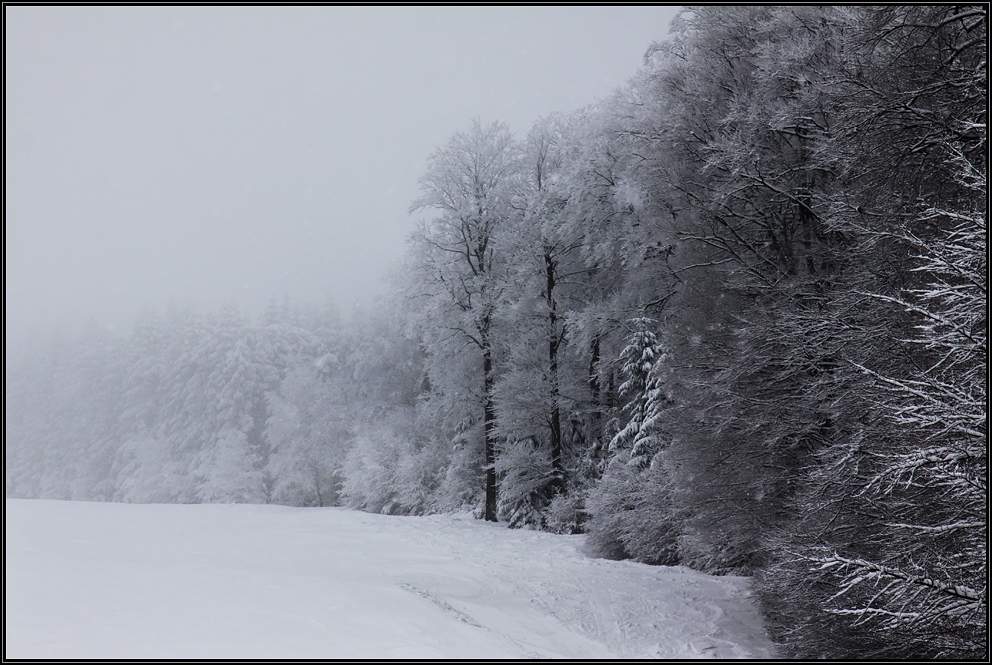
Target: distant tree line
x: 733, y: 317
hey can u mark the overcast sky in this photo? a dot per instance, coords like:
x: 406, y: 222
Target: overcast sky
x: 236, y: 154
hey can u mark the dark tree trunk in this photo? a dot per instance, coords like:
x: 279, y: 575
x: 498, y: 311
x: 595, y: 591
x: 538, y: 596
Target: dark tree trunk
x: 554, y: 341
x: 595, y: 389
x: 490, y: 421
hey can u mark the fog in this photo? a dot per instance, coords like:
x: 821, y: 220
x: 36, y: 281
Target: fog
x: 210, y: 155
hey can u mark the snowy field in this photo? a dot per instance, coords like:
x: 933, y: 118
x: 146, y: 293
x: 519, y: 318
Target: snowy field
x: 100, y: 580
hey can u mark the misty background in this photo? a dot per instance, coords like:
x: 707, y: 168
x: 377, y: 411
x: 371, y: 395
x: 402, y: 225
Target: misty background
x: 210, y: 155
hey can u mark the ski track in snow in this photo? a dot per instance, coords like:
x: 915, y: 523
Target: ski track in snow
x: 97, y: 580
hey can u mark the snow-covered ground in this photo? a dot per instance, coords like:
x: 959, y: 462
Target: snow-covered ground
x: 101, y: 580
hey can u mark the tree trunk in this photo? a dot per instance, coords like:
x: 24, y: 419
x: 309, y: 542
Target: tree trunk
x: 596, y: 393
x: 554, y: 341
x: 490, y: 421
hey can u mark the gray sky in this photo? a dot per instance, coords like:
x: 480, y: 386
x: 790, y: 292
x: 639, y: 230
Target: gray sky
x: 236, y: 154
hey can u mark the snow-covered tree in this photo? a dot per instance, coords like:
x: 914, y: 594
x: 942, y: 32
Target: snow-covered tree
x: 473, y: 183
x: 925, y: 575
x: 631, y: 509
x: 887, y: 553
x: 541, y: 383
x: 308, y: 434
x: 526, y: 471
x: 644, y: 364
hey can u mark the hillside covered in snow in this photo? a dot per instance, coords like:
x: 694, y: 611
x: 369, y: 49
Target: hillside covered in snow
x: 101, y: 580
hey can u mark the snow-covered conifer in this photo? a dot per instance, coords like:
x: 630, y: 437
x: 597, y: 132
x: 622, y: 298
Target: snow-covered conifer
x: 643, y: 370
